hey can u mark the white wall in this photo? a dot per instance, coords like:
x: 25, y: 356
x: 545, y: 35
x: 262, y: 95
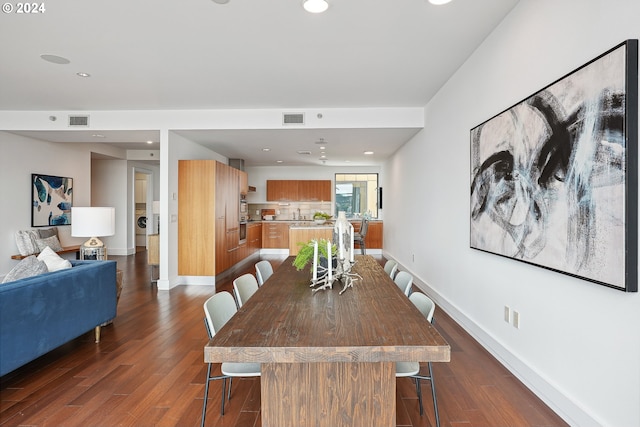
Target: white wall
x: 578, y: 345
x: 174, y: 148
x: 110, y: 188
x: 19, y: 158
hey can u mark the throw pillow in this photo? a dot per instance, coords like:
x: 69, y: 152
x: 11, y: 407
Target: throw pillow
x: 29, y: 266
x: 53, y: 261
x: 50, y: 242
x: 47, y: 232
x: 26, y: 242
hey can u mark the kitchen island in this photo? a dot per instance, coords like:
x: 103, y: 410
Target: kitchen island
x: 304, y: 231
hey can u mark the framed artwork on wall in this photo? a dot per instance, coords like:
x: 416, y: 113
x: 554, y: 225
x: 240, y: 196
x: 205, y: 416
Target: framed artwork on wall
x: 554, y: 177
x: 51, y: 200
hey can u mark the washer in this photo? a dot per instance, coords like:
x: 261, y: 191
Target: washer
x: 141, y: 221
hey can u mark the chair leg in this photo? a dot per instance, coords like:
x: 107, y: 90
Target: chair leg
x: 230, y: 384
x: 433, y: 393
x: 206, y: 394
x: 419, y: 393
x: 224, y: 387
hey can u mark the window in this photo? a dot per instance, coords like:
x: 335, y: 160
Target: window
x: 356, y: 194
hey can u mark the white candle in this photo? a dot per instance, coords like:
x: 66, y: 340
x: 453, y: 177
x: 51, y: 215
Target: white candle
x: 351, y: 247
x: 329, y: 260
x: 315, y: 260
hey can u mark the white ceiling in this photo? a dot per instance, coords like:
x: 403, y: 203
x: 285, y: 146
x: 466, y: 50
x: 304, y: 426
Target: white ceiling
x: 247, y: 54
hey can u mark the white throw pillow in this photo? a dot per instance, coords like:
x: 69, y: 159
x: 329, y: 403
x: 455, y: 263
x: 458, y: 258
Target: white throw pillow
x: 29, y: 266
x: 51, y: 242
x: 54, y: 261
x: 26, y: 242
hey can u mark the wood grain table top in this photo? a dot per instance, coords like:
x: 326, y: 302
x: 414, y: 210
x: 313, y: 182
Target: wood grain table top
x: 286, y: 322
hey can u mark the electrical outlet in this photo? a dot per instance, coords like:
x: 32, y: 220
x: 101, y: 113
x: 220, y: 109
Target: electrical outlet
x: 507, y: 314
x: 516, y: 320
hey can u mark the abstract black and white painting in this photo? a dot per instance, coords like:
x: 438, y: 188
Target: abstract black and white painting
x: 554, y: 178
x: 52, y: 198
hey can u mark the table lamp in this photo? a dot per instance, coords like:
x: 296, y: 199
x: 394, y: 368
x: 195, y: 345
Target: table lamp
x: 93, y: 222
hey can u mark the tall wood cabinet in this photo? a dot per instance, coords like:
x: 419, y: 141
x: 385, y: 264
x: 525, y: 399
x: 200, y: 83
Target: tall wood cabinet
x: 208, y: 217
x: 196, y: 213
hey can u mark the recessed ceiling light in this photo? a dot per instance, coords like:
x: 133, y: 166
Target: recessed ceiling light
x: 439, y: 2
x: 368, y: 153
x: 266, y: 149
x: 55, y: 59
x: 315, y: 6
x: 279, y: 161
x: 83, y: 74
x: 347, y: 161
x: 149, y: 142
x: 323, y: 148
x: 323, y: 157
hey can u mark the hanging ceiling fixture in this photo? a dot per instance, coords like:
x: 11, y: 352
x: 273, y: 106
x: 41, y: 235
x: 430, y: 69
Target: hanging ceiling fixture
x: 315, y: 6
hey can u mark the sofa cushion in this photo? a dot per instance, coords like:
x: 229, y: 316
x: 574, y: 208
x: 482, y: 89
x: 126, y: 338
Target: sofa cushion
x: 51, y: 242
x: 29, y: 266
x: 53, y: 261
x: 26, y: 242
x: 47, y: 232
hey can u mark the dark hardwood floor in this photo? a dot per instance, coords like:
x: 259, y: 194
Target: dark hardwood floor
x: 148, y: 370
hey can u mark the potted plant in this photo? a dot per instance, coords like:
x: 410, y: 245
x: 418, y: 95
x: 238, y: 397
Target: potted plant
x: 305, y: 255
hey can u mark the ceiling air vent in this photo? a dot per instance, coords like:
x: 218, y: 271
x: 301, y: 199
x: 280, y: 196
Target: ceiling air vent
x: 79, y: 121
x: 293, y: 118
x: 304, y: 152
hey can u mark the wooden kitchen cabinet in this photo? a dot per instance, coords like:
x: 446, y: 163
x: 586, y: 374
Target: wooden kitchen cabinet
x: 314, y: 191
x: 275, y: 235
x: 208, y: 217
x: 299, y: 190
x: 244, y: 182
x: 254, y: 238
x: 373, y: 239
x: 282, y: 190
x: 196, y: 217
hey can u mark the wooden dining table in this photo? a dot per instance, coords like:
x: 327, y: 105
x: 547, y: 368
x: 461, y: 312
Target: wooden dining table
x: 328, y: 359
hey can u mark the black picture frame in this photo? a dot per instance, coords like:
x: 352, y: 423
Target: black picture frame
x: 51, y: 200
x: 554, y: 178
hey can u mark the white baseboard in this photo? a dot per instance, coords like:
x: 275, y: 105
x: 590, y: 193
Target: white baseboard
x: 560, y: 403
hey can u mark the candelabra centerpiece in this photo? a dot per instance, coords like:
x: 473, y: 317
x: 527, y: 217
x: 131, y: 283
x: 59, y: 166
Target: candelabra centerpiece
x: 323, y: 275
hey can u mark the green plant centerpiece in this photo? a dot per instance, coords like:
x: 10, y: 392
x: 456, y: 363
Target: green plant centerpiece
x: 305, y: 255
x: 321, y: 215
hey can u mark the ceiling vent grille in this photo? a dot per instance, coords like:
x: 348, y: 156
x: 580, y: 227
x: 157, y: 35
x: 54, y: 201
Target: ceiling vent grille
x: 293, y: 118
x: 308, y: 153
x: 75, y: 121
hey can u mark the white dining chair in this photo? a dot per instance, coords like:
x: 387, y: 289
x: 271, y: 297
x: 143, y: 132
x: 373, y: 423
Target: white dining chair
x: 412, y: 369
x: 218, y: 309
x: 404, y: 281
x: 264, y: 270
x: 243, y: 287
x: 391, y: 268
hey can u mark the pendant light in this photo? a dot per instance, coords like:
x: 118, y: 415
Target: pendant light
x: 315, y: 6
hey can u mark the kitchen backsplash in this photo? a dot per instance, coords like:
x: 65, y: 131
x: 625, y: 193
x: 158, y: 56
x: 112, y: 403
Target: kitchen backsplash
x: 290, y: 211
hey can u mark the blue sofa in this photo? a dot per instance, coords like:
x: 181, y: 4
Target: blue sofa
x: 40, y: 313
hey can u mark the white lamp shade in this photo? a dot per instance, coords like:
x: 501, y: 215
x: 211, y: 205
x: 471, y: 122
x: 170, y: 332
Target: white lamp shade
x: 93, y: 221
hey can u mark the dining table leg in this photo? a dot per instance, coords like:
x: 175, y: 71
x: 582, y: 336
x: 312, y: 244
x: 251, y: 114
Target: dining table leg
x: 328, y: 394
